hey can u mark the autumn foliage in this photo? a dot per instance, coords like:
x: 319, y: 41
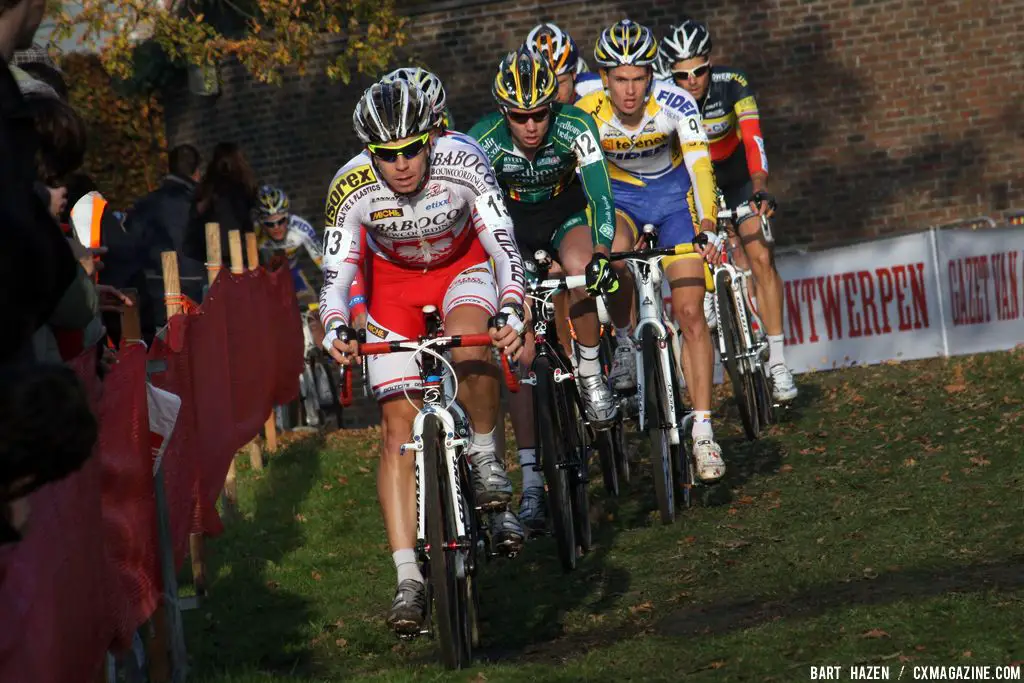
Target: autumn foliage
x: 126, y: 155
x: 265, y: 36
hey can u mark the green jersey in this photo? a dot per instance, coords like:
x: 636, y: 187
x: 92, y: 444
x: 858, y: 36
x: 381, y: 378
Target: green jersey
x: 571, y: 143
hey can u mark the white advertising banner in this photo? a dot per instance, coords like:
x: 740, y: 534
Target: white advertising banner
x: 862, y: 304
x: 981, y: 276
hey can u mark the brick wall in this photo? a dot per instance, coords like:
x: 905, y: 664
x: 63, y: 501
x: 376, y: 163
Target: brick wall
x: 879, y: 116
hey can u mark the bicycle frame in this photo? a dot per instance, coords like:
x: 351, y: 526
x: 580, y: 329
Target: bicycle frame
x: 736, y: 280
x: 650, y: 311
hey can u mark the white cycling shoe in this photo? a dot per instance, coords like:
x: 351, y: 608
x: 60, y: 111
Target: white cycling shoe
x: 709, y: 310
x: 783, y: 386
x: 623, y: 371
x: 707, y: 455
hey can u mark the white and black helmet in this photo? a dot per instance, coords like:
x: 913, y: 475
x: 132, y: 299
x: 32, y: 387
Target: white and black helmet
x: 392, y: 110
x: 549, y: 41
x: 626, y: 43
x: 428, y: 82
x: 689, y: 39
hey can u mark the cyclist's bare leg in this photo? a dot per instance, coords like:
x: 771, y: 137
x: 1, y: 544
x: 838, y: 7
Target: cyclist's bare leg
x: 396, y: 476
x: 478, y: 378
x: 686, y: 278
x: 621, y: 304
x: 574, y: 253
x: 768, y: 283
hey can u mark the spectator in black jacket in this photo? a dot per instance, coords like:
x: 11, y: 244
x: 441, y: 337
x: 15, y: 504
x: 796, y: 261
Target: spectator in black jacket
x: 226, y: 195
x: 38, y: 266
x: 159, y: 222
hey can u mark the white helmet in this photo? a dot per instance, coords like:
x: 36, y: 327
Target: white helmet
x: 390, y: 111
x: 428, y: 82
x: 689, y: 39
x: 547, y: 40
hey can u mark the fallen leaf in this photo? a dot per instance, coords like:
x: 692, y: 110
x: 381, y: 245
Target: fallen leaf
x: 690, y: 539
x: 316, y: 575
x: 909, y: 462
x: 342, y: 480
x: 945, y: 478
x: 746, y: 500
x: 980, y: 461
x: 364, y: 470
x: 327, y: 487
x: 786, y: 468
x: 968, y: 653
x: 272, y: 585
x: 645, y: 606
x: 479, y: 678
x: 734, y: 545
x: 874, y: 633
x: 733, y: 511
x: 300, y: 518
x: 955, y: 388
x: 870, y: 573
x: 341, y: 642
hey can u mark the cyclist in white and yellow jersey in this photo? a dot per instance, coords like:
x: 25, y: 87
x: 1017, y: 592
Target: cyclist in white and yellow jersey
x: 660, y: 169
x: 575, y: 81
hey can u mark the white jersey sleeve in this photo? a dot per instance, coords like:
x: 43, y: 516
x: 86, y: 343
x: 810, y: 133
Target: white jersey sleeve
x: 680, y: 109
x: 342, y: 246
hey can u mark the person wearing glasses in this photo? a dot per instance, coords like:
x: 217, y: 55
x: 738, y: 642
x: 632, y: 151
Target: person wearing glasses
x: 434, y: 221
x: 282, y: 235
x: 550, y: 166
x: 737, y: 150
x: 661, y: 174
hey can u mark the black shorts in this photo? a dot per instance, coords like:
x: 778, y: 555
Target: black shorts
x: 542, y: 225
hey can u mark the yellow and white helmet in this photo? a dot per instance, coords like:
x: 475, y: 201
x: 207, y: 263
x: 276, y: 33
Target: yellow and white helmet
x: 524, y: 81
x: 626, y: 43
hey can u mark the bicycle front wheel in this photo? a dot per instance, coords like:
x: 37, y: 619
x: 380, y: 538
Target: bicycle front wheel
x: 451, y: 609
x: 578, y: 450
x: 657, y: 424
x: 552, y: 451
x: 742, y: 382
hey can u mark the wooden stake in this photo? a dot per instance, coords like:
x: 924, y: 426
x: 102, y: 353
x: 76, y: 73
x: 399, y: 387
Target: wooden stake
x: 270, y: 426
x: 131, y: 324
x: 214, y: 259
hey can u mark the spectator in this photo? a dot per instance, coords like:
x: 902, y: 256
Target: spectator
x: 159, y: 222
x: 226, y: 195
x: 36, y: 63
x: 35, y: 275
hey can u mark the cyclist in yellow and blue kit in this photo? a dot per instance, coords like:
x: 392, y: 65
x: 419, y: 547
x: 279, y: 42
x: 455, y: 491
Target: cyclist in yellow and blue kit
x: 657, y: 151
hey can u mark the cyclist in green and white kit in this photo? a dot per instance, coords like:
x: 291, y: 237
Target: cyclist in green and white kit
x: 548, y: 161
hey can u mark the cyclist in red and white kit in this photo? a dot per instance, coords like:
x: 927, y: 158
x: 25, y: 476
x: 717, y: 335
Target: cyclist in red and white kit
x: 434, y: 220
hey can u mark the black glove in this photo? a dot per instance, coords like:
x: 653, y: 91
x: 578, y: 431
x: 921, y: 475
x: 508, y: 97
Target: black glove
x: 762, y: 196
x: 601, y: 279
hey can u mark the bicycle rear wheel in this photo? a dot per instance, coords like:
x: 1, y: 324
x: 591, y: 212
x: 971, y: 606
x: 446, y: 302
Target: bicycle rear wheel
x: 656, y: 418
x: 449, y: 591
x: 742, y: 382
x: 553, y: 453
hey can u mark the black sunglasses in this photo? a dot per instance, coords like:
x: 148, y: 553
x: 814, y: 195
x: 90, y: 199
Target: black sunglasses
x: 409, y: 150
x: 683, y: 75
x: 522, y: 117
x: 274, y: 224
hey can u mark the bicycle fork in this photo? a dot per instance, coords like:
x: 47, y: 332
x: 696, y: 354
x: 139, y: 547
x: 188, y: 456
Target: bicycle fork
x: 452, y: 444
x: 649, y: 315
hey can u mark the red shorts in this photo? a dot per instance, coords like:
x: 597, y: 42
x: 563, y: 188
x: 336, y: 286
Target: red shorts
x: 396, y: 308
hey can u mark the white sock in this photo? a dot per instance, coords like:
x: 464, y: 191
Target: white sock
x: 622, y: 336
x: 776, y: 346
x: 405, y: 563
x: 702, y: 425
x: 481, y: 442
x: 589, y: 364
x: 531, y: 477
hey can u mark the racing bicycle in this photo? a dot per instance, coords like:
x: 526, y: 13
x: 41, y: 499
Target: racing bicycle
x: 563, y: 439
x: 659, y: 398
x: 738, y: 330
x: 451, y: 533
